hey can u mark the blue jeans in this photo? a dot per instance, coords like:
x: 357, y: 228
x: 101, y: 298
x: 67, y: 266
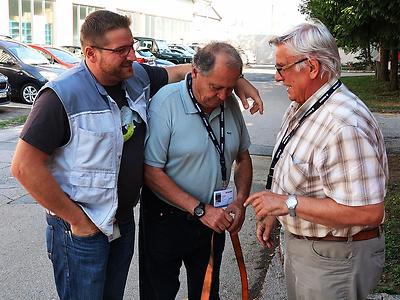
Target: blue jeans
x: 89, y: 267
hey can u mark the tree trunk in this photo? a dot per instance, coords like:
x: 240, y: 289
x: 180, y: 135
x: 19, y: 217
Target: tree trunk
x: 394, y: 78
x: 382, y: 72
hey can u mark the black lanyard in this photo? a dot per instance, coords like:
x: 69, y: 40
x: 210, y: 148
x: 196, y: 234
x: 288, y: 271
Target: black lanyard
x: 285, y: 140
x: 219, y: 146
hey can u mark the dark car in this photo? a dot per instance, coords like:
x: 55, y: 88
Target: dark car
x: 160, y: 49
x: 5, y: 90
x: 27, y: 70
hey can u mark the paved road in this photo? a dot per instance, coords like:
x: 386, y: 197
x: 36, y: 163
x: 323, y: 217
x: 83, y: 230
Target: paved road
x: 25, y: 271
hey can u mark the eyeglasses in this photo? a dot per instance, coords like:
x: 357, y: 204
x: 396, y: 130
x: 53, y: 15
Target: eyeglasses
x: 288, y: 66
x: 122, y: 51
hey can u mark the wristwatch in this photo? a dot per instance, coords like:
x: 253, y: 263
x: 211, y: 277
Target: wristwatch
x: 199, y: 210
x: 291, y: 203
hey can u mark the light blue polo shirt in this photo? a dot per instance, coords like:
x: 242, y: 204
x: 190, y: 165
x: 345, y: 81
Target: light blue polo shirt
x: 179, y: 142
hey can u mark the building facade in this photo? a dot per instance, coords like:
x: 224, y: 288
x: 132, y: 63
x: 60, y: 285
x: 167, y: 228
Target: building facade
x: 58, y: 22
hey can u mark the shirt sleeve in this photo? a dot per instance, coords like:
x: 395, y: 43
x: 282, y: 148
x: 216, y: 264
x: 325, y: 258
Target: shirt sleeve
x: 47, y: 126
x: 158, y: 78
x: 156, y: 149
x: 351, y: 171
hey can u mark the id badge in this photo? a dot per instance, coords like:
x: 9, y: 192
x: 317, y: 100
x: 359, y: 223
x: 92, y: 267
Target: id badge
x: 223, y: 198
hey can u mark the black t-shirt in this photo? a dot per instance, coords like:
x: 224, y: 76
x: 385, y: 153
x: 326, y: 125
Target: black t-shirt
x: 47, y: 128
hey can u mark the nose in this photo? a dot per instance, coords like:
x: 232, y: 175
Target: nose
x: 222, y: 95
x: 131, y: 55
x: 278, y: 76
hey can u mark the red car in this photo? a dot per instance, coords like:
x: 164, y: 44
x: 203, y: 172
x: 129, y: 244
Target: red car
x: 57, y: 55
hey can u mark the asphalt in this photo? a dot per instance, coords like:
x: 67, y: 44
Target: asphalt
x: 26, y: 271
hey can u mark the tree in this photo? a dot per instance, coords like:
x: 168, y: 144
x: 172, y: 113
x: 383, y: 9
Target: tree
x: 359, y: 24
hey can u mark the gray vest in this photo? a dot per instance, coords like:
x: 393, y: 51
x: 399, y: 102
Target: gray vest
x: 87, y: 166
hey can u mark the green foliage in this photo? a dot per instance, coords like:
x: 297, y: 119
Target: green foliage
x: 13, y: 122
x: 357, y: 24
x: 390, y: 280
x: 374, y: 93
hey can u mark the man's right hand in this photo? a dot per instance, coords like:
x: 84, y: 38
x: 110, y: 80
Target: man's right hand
x: 84, y: 228
x: 216, y: 218
x: 264, y: 228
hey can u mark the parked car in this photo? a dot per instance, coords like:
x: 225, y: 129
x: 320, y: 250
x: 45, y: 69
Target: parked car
x: 144, y: 56
x: 186, y: 48
x: 187, y: 56
x: 163, y: 63
x: 5, y: 90
x: 160, y: 49
x: 76, y: 50
x: 27, y: 70
x: 57, y: 55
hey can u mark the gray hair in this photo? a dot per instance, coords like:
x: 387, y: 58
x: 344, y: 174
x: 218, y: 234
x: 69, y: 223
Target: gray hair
x: 204, y: 59
x: 312, y: 40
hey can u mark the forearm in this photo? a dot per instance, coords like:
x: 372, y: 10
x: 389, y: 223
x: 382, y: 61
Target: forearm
x: 243, y: 176
x: 158, y: 181
x: 328, y: 212
x: 178, y: 72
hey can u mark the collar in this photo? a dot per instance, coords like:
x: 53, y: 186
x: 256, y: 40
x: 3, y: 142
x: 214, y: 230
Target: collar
x: 187, y: 102
x: 301, y: 110
x: 99, y: 86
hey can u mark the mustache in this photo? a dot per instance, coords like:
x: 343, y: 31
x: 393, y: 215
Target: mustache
x: 127, y: 63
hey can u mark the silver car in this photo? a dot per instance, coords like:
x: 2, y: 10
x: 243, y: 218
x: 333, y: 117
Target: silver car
x: 5, y: 90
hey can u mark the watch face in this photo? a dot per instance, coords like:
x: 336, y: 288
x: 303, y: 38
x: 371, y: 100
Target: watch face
x: 291, y: 202
x: 199, y: 210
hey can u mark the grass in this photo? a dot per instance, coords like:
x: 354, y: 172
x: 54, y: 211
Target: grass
x: 13, y: 121
x: 374, y: 93
x: 390, y: 280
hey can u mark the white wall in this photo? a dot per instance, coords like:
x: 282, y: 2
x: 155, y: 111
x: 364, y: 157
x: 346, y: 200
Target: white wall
x: 63, y: 23
x: 4, y: 27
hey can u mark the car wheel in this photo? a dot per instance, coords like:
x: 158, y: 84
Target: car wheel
x: 28, y: 93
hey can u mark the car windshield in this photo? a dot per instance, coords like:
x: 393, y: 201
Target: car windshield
x: 28, y: 55
x: 163, y: 46
x: 64, y: 55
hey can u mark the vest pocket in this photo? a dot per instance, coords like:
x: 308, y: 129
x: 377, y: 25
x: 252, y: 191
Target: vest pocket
x: 93, y: 187
x: 94, y: 150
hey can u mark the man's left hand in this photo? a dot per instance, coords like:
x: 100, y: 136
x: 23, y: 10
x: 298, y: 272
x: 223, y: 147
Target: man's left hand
x: 266, y: 203
x: 244, y: 90
x: 237, y: 211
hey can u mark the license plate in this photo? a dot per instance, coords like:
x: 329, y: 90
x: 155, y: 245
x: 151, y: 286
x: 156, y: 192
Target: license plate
x: 3, y: 95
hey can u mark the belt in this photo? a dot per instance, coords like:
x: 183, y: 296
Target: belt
x: 360, y: 236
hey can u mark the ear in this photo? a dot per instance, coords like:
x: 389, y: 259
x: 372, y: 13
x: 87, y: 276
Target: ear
x: 194, y: 72
x: 90, y: 53
x: 315, y: 67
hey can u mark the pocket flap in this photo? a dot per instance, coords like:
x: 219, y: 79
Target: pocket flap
x: 98, y: 180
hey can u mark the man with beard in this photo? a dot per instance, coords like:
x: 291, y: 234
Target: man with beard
x: 75, y: 160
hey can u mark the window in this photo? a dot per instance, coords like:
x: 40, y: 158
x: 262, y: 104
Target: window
x: 79, y: 14
x: 31, y: 21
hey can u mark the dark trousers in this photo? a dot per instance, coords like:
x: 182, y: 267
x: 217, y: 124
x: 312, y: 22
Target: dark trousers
x: 168, y: 237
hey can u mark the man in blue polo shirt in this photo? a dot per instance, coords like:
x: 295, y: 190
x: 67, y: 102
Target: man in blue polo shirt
x: 196, y: 132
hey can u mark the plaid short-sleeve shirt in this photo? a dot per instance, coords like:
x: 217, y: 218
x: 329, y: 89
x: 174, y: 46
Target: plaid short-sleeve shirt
x: 338, y: 152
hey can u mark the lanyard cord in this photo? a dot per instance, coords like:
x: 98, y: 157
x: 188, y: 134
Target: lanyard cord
x: 285, y: 140
x: 219, y: 146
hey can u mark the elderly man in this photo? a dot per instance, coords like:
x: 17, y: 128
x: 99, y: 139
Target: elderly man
x: 196, y: 132
x: 81, y: 157
x: 328, y: 175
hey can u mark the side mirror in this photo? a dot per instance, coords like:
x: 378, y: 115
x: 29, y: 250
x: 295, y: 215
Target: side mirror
x: 11, y: 62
